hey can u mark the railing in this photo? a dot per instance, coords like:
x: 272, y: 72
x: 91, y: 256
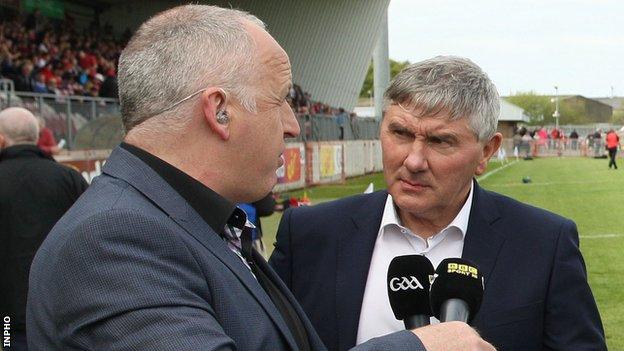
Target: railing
x: 82, y: 121
x: 549, y: 147
x: 326, y: 128
x: 94, y: 123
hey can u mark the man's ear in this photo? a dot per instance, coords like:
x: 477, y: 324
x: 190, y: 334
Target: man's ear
x: 2, y: 141
x: 213, y: 103
x: 488, y: 150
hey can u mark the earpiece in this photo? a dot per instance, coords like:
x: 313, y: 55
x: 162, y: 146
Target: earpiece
x: 222, y: 117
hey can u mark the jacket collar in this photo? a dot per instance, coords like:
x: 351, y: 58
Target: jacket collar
x: 483, y: 243
x: 23, y: 151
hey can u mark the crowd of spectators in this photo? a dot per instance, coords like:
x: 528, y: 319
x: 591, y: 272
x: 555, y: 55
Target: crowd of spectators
x: 302, y: 104
x: 45, y: 55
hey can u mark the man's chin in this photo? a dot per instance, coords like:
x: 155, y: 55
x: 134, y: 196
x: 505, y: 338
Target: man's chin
x: 408, y: 202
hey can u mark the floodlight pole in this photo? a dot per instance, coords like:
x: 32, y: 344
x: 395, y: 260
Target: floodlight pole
x: 381, y: 66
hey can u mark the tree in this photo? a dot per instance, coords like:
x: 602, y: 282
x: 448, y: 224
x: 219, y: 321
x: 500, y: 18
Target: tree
x: 395, y: 68
x: 539, y: 108
x: 618, y: 117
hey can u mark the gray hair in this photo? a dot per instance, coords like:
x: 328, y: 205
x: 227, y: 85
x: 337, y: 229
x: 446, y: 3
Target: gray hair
x: 19, y: 126
x: 181, y: 51
x: 451, y: 84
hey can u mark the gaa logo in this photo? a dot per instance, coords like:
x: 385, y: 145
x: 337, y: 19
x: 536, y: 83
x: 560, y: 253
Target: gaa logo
x: 405, y: 283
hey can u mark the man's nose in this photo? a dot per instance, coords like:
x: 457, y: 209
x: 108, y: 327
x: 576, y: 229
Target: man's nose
x: 416, y: 159
x: 289, y: 122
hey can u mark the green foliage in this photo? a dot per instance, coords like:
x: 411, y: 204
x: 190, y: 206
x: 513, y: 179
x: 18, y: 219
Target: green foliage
x: 395, y: 68
x: 539, y: 108
x: 618, y: 117
x: 582, y: 189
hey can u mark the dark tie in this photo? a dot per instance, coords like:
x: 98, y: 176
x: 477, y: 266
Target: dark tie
x: 246, y: 244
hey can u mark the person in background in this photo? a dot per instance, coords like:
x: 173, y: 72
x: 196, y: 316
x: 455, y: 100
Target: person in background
x: 574, y: 139
x: 46, y: 141
x: 35, y: 192
x: 342, y: 118
x: 597, y: 141
x: 25, y: 81
x: 613, y: 141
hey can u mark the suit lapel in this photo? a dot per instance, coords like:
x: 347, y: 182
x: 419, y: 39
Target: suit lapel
x: 122, y: 164
x: 483, y: 243
x: 355, y: 250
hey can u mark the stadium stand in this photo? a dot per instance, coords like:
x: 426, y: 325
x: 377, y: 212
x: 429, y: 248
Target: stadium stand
x: 50, y: 56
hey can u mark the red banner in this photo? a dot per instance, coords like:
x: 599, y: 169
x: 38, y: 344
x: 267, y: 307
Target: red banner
x: 292, y: 166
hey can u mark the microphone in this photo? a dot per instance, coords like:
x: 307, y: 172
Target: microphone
x: 456, y: 290
x: 408, y: 289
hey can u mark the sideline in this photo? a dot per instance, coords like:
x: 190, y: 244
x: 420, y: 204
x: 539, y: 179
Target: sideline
x: 496, y: 170
x: 601, y: 236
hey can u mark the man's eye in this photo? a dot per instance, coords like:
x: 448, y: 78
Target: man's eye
x: 435, y: 140
x: 403, y: 133
x: 439, y: 142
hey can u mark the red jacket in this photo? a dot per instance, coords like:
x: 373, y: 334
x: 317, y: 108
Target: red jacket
x: 612, y: 140
x: 46, y: 140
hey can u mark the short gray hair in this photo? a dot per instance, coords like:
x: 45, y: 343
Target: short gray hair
x: 19, y: 126
x: 452, y: 84
x: 180, y: 51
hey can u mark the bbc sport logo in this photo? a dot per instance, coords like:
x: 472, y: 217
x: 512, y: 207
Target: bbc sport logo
x: 6, y: 332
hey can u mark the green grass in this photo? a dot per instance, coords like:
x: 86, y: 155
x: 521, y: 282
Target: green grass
x: 582, y: 189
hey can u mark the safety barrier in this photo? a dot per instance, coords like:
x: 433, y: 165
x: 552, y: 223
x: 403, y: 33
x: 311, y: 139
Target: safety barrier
x: 93, y: 122
x: 325, y: 162
x: 561, y: 148
x: 305, y: 164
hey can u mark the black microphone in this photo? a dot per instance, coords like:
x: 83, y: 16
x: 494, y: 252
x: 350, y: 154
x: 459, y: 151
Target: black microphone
x: 456, y: 290
x: 409, y: 280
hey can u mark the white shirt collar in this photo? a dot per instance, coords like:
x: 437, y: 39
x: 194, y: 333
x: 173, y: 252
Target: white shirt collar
x: 390, y: 216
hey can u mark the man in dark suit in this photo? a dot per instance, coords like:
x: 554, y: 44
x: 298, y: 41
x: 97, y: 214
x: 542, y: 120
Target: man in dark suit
x: 155, y: 256
x: 438, y: 132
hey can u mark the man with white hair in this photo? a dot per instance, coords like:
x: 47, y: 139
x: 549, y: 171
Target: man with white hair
x: 35, y: 192
x: 155, y: 256
x: 437, y: 134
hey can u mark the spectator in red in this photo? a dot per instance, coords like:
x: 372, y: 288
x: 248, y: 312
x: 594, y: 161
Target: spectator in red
x: 554, y: 138
x: 46, y: 141
x: 613, y: 141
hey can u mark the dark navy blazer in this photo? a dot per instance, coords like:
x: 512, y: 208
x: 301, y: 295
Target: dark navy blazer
x: 132, y: 266
x: 536, y: 292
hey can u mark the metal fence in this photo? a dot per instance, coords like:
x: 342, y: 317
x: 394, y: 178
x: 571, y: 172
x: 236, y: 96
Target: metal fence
x: 94, y: 123
x: 83, y: 122
x: 544, y: 148
x: 326, y: 128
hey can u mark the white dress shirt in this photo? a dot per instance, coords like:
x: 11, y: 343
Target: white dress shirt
x: 376, y: 317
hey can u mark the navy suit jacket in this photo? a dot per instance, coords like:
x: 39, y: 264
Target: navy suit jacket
x: 132, y: 266
x: 536, y: 293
